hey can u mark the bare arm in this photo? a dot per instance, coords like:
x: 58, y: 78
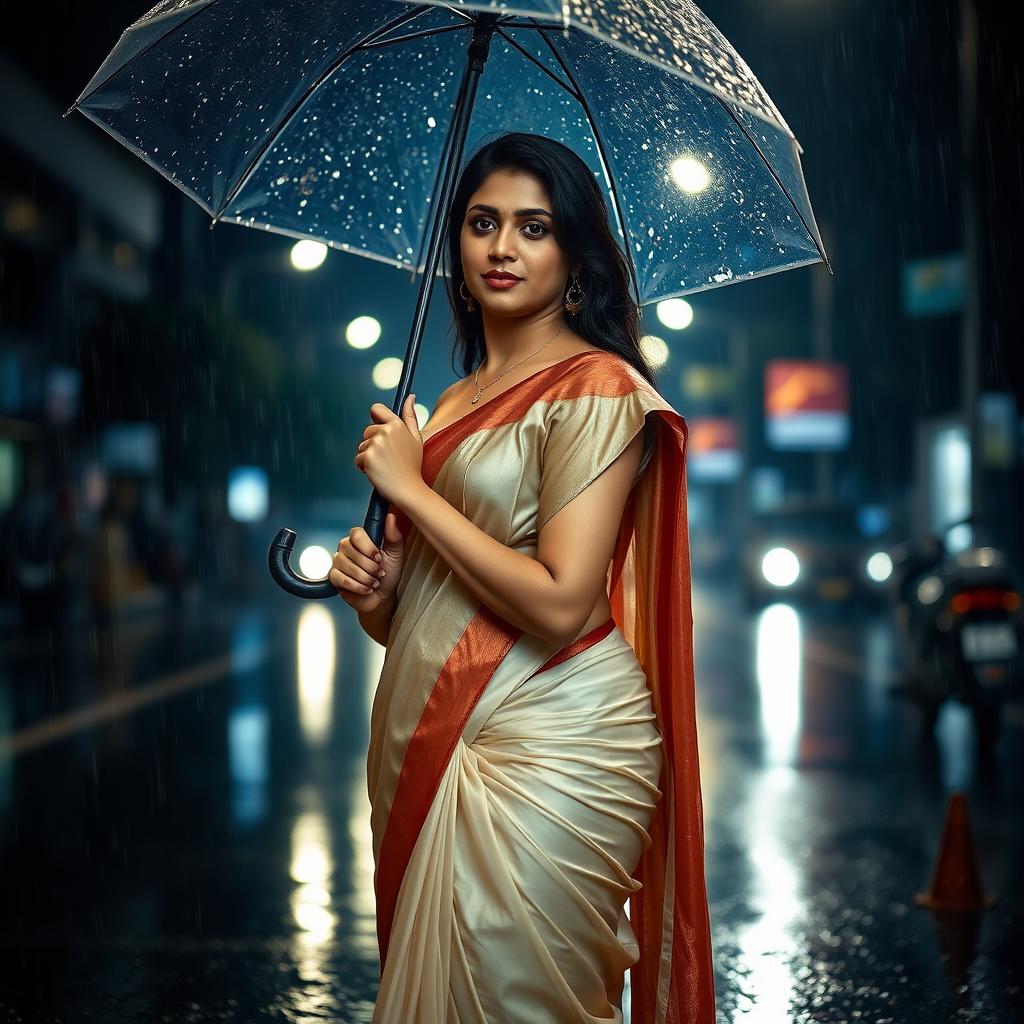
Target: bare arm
x: 552, y: 595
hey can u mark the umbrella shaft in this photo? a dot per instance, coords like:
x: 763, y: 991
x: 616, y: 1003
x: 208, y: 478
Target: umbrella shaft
x: 477, y: 51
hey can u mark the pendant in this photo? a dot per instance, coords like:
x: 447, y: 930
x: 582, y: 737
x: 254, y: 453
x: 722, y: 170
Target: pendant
x: 473, y: 401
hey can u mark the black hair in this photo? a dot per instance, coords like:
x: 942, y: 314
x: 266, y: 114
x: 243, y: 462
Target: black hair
x: 609, y: 317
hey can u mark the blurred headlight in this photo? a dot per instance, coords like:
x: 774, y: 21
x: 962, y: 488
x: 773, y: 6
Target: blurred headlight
x: 929, y: 590
x: 879, y: 567
x: 780, y: 567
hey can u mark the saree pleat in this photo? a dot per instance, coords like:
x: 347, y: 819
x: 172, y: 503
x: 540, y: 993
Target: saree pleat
x: 523, y: 796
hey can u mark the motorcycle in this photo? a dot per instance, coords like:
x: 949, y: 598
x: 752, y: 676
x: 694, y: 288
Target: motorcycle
x: 961, y: 623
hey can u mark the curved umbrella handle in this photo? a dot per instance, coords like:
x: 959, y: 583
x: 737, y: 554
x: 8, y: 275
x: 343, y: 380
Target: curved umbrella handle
x: 286, y: 577
x: 300, y: 586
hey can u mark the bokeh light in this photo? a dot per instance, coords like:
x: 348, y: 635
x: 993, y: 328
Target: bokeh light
x: 308, y: 254
x: 675, y: 314
x: 363, y: 332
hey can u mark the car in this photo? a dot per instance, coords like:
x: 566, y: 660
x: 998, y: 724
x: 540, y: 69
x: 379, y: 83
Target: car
x: 807, y: 550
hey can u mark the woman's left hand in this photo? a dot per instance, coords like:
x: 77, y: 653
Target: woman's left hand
x: 391, y: 453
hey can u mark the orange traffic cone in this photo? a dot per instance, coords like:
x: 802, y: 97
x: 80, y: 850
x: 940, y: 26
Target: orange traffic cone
x: 956, y: 884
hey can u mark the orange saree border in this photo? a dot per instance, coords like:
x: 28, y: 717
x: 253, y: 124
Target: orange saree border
x: 649, y: 587
x: 650, y: 594
x: 472, y: 662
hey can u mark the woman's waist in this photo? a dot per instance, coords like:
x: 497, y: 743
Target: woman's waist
x: 587, y: 638
x: 596, y: 682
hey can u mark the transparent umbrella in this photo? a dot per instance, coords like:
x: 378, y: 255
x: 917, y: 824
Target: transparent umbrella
x: 346, y: 121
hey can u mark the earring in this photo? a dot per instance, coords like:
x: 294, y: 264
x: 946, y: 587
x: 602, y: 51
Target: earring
x: 573, y: 305
x: 468, y: 298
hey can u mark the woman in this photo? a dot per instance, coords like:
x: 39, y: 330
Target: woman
x: 533, y: 750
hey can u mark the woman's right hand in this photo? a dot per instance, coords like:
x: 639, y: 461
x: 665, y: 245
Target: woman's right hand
x: 362, y: 579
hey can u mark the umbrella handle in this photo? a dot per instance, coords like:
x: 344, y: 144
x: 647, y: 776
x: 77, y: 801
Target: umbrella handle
x: 301, y: 586
x: 287, y: 578
x: 377, y: 512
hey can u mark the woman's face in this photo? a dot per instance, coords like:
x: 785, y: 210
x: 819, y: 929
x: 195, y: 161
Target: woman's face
x: 499, y: 234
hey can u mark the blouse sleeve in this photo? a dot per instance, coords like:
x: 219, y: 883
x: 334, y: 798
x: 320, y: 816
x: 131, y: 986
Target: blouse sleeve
x: 583, y: 436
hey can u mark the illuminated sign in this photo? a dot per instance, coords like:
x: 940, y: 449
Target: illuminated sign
x: 713, y: 451
x: 807, y: 405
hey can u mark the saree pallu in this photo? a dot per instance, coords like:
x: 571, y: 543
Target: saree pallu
x: 520, y: 793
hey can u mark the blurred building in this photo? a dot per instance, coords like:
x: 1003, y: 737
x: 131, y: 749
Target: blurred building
x: 79, y: 224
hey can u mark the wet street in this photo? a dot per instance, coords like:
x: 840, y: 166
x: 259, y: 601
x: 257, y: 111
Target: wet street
x: 184, y: 827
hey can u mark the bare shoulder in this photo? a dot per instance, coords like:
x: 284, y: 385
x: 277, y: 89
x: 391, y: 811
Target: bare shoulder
x: 451, y: 390
x: 450, y: 395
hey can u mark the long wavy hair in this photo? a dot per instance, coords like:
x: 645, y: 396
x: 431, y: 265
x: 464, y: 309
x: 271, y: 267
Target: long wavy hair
x: 609, y: 317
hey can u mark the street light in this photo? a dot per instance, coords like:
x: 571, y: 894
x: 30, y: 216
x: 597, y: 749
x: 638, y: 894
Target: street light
x: 690, y: 175
x: 675, y: 314
x: 307, y: 254
x: 363, y: 332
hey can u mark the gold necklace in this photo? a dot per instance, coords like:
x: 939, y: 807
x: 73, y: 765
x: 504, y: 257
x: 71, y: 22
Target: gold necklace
x: 476, y: 376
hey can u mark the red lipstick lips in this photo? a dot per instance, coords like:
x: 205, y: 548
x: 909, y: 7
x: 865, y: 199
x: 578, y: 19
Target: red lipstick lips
x: 500, y: 279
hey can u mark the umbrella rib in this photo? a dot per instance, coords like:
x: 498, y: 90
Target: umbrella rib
x: 785, y: 191
x: 529, y: 56
x: 275, y: 133
x: 437, y: 177
x: 601, y: 153
x: 149, y: 46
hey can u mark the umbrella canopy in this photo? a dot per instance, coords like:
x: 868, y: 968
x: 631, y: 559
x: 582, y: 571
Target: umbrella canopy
x: 346, y: 121
x: 329, y: 119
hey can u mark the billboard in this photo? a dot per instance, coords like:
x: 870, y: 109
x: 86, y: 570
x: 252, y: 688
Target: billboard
x: 807, y: 406
x: 713, y: 450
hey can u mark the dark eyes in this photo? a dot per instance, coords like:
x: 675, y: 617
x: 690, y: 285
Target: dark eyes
x: 531, y: 234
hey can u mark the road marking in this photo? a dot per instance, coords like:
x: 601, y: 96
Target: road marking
x: 57, y: 727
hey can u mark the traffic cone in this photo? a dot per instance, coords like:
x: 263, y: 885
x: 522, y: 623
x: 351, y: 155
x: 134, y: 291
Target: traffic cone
x: 956, y: 883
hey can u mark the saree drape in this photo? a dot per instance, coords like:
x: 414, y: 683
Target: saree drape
x: 521, y: 794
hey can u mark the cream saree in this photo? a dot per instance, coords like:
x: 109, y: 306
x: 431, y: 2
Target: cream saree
x: 521, y: 794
